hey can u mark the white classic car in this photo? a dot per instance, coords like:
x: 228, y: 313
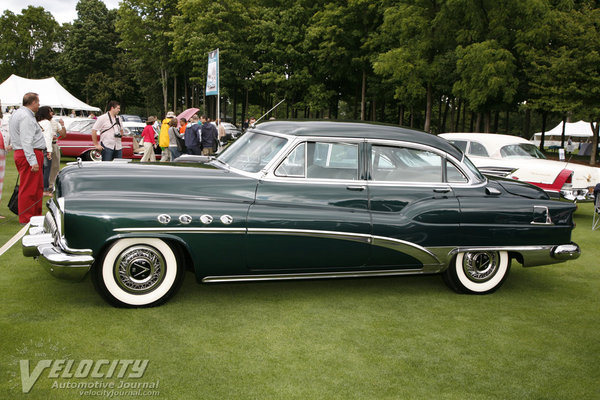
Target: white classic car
x: 517, y: 158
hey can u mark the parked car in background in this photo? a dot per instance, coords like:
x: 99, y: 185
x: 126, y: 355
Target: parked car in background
x: 133, y: 124
x: 232, y: 132
x: 297, y: 200
x: 517, y: 158
x: 78, y: 142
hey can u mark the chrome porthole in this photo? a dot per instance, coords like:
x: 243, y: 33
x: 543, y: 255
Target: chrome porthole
x: 139, y: 269
x: 164, y: 219
x: 206, y: 219
x: 185, y: 219
x: 480, y: 266
x: 226, y: 219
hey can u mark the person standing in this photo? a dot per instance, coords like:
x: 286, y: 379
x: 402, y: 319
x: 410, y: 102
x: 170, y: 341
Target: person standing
x: 4, y: 149
x: 174, y: 136
x: 163, y: 137
x: 149, y: 140
x: 50, y: 130
x: 28, y: 141
x: 209, y: 137
x: 110, y: 128
x: 192, y: 137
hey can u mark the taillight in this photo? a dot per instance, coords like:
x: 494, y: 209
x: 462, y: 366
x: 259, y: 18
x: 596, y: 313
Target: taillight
x: 570, y: 178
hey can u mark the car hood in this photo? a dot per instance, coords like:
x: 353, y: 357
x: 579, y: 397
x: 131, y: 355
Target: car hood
x: 542, y: 171
x: 100, y: 180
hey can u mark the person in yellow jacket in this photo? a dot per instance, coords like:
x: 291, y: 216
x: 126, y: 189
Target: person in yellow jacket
x: 163, y: 137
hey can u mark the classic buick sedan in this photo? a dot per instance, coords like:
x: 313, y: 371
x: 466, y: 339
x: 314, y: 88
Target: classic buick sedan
x: 293, y: 200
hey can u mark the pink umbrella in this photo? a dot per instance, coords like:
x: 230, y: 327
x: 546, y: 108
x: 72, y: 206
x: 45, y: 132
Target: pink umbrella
x: 187, y: 114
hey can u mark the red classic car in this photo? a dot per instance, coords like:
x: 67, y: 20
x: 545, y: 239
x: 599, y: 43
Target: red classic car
x: 78, y: 142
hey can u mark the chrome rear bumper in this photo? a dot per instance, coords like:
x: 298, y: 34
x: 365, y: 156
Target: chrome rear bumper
x: 55, y: 257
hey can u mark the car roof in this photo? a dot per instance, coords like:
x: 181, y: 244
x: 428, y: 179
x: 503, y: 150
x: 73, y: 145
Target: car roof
x: 357, y: 130
x: 489, y: 140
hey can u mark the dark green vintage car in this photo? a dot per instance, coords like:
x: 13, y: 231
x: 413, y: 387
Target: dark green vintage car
x: 293, y: 200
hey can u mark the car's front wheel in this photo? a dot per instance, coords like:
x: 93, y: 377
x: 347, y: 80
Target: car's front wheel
x: 139, y: 272
x: 477, y: 272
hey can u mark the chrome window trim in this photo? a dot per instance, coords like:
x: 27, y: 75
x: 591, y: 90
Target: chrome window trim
x: 471, y: 179
x: 269, y: 174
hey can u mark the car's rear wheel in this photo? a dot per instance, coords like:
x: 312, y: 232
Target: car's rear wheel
x: 478, y: 272
x: 93, y: 155
x: 138, y: 272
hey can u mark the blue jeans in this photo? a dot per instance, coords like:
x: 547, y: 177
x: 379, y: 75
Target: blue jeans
x: 174, y: 152
x: 46, y: 172
x: 110, y: 154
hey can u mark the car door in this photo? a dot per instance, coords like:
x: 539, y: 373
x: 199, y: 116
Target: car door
x: 311, y: 212
x: 412, y: 203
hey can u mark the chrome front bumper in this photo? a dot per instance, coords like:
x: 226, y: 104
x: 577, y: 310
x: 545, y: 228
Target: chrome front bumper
x: 49, y: 248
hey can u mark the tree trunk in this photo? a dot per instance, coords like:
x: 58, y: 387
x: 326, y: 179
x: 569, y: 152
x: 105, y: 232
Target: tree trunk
x: 527, y: 124
x: 412, y: 117
x: 373, y: 111
x: 443, y: 127
x: 185, y: 91
x: 164, y: 75
x: 507, y: 121
x: 543, y: 139
x: 363, y: 96
x: 401, y: 115
x: 496, y: 118
x: 486, y: 122
x: 593, y: 156
x: 429, y: 106
x: 175, y: 93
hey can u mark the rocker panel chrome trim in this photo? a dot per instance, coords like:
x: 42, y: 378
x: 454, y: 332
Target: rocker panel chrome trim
x: 315, y: 275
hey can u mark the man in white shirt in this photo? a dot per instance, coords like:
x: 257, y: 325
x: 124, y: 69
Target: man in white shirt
x: 110, y: 128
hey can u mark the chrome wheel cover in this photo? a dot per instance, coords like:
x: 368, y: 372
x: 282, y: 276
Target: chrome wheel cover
x: 481, y: 266
x: 95, y: 155
x: 139, y: 269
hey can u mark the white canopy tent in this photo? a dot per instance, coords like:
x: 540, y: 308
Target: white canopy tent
x: 50, y: 91
x: 579, y: 129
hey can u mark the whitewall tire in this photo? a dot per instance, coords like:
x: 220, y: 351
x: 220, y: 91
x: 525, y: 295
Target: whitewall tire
x: 138, y: 272
x: 478, y: 272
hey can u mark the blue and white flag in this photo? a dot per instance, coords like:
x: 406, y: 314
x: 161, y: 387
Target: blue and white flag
x: 212, y: 76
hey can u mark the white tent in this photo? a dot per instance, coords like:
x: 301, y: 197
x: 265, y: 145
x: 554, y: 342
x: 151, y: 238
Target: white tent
x: 50, y: 91
x: 579, y: 129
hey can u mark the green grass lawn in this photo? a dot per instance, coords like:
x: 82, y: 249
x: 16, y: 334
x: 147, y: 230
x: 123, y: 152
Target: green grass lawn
x: 538, y: 337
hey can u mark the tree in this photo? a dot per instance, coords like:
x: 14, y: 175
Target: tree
x: 90, y: 49
x: 487, y: 76
x: 28, y: 43
x: 338, y: 37
x: 144, y: 27
x: 417, y: 35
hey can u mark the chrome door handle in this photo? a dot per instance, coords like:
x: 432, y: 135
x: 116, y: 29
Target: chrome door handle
x: 357, y: 188
x: 441, y: 190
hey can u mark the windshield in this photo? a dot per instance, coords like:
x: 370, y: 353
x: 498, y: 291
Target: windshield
x: 252, y: 152
x: 521, y: 150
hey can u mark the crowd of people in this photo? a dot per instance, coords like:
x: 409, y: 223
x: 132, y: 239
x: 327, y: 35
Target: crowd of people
x: 196, y: 136
x: 33, y: 133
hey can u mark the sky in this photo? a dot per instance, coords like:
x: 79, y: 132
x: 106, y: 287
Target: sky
x: 62, y: 10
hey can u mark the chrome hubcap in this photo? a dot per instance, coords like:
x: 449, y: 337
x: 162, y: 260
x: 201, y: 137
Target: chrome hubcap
x: 480, y: 266
x: 139, y: 269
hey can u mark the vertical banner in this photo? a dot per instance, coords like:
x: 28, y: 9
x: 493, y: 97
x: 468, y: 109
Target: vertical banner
x: 212, y: 76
